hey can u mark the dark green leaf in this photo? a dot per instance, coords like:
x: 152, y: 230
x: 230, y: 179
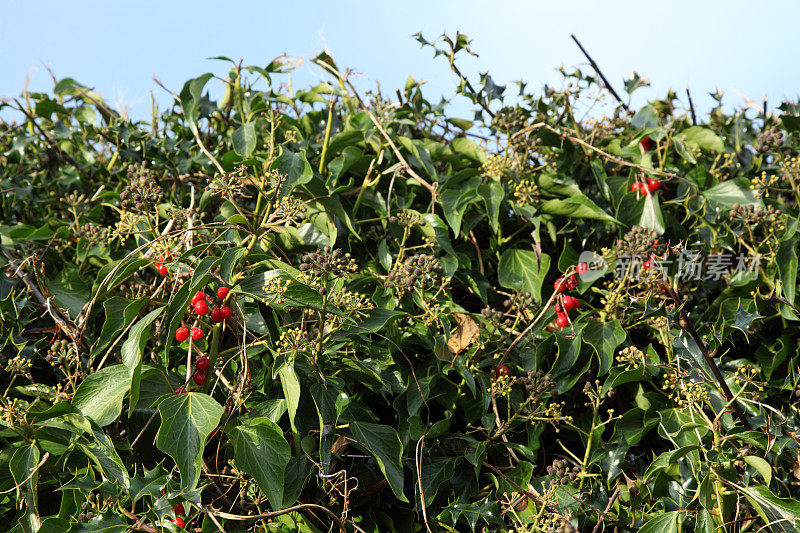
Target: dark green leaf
x: 186, y: 421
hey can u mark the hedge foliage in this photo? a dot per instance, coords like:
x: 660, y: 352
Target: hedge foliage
x: 539, y: 318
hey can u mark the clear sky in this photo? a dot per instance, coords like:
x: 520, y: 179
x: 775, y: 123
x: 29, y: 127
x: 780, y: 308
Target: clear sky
x: 117, y: 46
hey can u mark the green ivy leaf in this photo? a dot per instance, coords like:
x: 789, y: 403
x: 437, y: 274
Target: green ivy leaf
x: 576, y: 207
x: 703, y: 138
x: 190, y: 99
x: 296, y: 169
x: 22, y: 465
x: 262, y: 451
x: 665, y: 523
x: 731, y: 192
x: 493, y: 195
x: 244, y: 139
x: 100, y: 395
x: 761, y: 466
x: 186, y: 421
x: 101, y: 450
x: 132, y: 351
x: 119, y: 312
x: 783, y: 514
x: 651, y: 214
x: 382, y: 442
x: 522, y: 271
x: 604, y: 337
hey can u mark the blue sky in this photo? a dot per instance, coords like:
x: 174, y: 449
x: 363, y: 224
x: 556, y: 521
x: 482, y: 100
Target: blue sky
x: 116, y: 47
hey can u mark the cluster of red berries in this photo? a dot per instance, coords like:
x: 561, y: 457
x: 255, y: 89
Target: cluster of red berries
x: 565, y: 302
x: 646, y: 186
x: 179, y: 511
x: 200, y: 305
x: 160, y: 263
x: 201, y: 364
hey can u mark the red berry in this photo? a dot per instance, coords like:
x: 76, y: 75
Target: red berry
x: 647, y: 265
x: 181, y: 334
x: 563, y: 285
x: 582, y: 268
x: 202, y: 363
x: 197, y: 333
x: 178, y: 508
x: 180, y: 390
x: 502, y: 370
x: 663, y: 287
x: 647, y: 143
x: 652, y: 184
x: 562, y: 320
x: 571, y: 282
x: 635, y: 186
x: 199, y: 377
x: 226, y: 312
x: 162, y: 270
x: 199, y: 296
x: 178, y: 521
x: 571, y: 303
x: 201, y: 307
x: 215, y: 315
x: 222, y: 292
x: 558, y: 307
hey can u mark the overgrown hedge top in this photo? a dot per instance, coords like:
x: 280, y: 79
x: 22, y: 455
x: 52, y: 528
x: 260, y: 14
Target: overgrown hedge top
x: 526, y: 320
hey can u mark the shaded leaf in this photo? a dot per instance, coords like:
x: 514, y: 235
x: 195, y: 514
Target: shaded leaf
x: 186, y: 421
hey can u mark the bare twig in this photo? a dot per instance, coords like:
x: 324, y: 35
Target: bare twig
x: 599, y: 72
x: 612, y: 158
x: 608, y: 507
x: 691, y: 107
x: 33, y: 470
x: 65, y: 324
x: 418, y: 461
x: 299, y: 507
x: 139, y: 522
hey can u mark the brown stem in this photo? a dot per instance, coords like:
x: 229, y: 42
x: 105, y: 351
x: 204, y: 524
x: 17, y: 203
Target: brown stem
x: 139, y: 523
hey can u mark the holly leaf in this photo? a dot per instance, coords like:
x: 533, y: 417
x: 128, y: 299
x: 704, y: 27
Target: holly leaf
x: 743, y: 320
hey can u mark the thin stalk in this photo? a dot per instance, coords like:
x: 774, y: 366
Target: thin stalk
x: 213, y: 353
x: 327, y: 139
x: 587, y: 454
